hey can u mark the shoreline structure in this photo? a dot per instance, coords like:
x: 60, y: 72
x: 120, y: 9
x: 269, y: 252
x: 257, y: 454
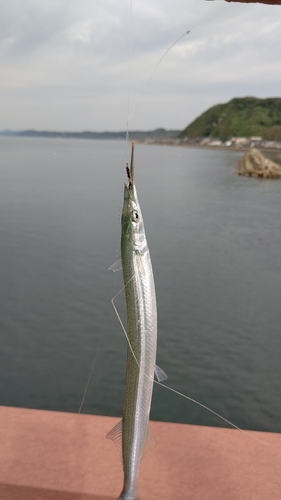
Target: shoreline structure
x: 238, y: 144
x: 235, y: 143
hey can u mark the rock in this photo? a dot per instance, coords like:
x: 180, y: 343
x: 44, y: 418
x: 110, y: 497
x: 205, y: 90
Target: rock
x: 255, y: 164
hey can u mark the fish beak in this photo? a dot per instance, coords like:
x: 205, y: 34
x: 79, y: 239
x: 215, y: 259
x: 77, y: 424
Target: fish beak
x: 130, y: 171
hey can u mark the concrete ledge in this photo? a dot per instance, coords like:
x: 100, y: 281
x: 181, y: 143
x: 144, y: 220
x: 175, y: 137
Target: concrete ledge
x: 62, y: 456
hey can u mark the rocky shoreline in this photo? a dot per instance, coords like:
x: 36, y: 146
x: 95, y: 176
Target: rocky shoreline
x: 255, y: 164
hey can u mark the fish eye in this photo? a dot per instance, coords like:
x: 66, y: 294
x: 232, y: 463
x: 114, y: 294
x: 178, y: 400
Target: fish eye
x: 135, y: 216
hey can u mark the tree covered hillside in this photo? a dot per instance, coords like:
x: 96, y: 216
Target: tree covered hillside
x: 240, y: 117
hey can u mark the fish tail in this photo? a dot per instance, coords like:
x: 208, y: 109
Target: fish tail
x: 129, y: 498
x: 129, y: 494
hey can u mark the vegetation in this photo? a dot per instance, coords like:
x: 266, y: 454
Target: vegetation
x: 240, y: 117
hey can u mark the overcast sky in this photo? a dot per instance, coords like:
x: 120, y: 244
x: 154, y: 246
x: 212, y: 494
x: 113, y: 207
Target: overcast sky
x: 64, y: 64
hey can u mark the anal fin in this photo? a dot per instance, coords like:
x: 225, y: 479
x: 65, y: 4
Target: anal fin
x: 115, y: 434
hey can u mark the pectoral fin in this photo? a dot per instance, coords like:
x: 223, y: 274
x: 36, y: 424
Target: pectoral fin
x: 160, y: 374
x: 116, y: 266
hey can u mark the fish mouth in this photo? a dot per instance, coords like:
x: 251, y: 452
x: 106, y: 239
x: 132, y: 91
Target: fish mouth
x: 130, y: 170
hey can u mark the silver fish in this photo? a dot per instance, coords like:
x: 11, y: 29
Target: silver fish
x: 130, y: 434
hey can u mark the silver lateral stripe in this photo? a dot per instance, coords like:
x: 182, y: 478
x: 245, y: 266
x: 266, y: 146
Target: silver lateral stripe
x: 142, y: 337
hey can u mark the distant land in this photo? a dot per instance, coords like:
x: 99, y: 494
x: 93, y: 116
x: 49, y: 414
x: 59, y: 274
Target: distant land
x: 242, y: 121
x: 137, y: 135
x: 240, y: 117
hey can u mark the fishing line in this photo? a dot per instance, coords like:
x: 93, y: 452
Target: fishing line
x: 114, y: 267
x: 206, y: 15
x: 129, y: 116
x: 91, y: 372
x: 129, y: 81
x: 218, y: 415
x: 154, y: 71
x: 129, y: 70
x: 127, y: 139
x: 159, y: 62
x: 120, y: 203
x: 120, y: 321
x: 180, y: 393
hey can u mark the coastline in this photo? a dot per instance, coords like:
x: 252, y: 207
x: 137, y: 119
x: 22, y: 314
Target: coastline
x: 273, y: 153
x: 272, y: 149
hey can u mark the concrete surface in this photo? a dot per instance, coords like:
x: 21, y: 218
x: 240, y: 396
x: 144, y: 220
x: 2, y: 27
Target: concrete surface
x: 48, y: 455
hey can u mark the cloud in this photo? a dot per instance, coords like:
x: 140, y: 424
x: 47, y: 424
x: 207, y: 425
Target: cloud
x: 65, y: 63
x: 27, y: 25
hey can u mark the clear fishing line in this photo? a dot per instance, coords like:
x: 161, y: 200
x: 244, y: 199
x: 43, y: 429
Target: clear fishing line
x: 187, y: 32
x: 120, y: 202
x: 153, y: 74
x: 117, y: 267
x: 159, y: 382
x: 127, y: 154
x: 218, y: 415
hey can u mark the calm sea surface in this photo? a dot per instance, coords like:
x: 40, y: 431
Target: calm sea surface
x: 215, y: 242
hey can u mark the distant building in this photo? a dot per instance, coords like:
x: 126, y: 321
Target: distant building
x: 239, y: 141
x: 205, y: 141
x: 255, y: 138
x: 215, y: 143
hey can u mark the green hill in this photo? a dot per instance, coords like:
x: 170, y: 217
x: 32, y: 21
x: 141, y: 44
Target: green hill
x: 240, y: 117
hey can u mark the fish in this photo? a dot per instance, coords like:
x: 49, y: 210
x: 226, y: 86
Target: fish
x: 130, y: 435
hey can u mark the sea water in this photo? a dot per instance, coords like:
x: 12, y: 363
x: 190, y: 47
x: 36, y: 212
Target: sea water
x: 215, y: 243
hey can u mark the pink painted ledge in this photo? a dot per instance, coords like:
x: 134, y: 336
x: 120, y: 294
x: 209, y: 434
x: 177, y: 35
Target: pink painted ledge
x: 47, y: 455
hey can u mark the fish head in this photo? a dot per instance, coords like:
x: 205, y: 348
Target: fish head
x: 132, y: 221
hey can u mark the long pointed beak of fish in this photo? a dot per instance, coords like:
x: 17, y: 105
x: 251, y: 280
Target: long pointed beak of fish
x: 130, y: 171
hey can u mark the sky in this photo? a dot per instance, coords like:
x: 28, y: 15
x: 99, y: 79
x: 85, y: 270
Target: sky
x: 74, y: 65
